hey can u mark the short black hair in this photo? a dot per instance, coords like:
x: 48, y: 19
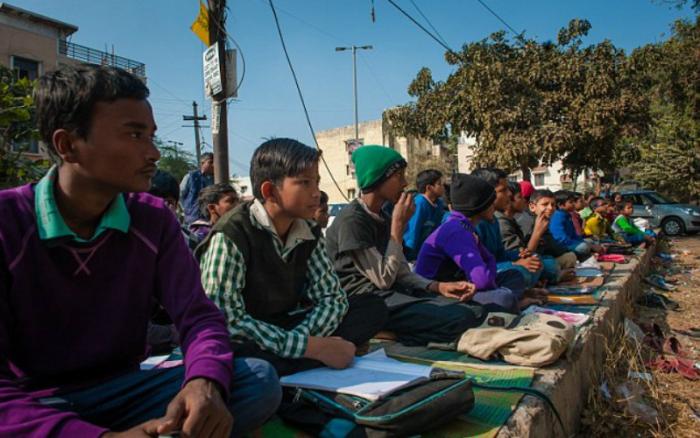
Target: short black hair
x: 577, y: 195
x: 541, y: 193
x: 324, y: 198
x: 597, y: 202
x: 164, y: 185
x: 561, y: 196
x: 279, y: 158
x: 65, y: 97
x: 490, y: 174
x: 206, y: 156
x: 427, y: 178
x: 211, y: 195
x: 514, y: 188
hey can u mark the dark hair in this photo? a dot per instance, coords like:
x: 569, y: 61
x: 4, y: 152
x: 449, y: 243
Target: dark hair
x: 211, y: 195
x: 65, y: 98
x: 539, y: 194
x: 597, y: 202
x: 622, y: 204
x: 206, y: 156
x: 561, y: 196
x: 514, y: 188
x: 427, y: 178
x: 490, y: 174
x: 324, y: 198
x: 613, y: 194
x: 279, y: 158
x: 577, y: 195
x: 589, y: 195
x: 164, y: 185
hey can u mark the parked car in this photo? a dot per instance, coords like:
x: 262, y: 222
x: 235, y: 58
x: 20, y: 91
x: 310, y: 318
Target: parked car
x: 672, y: 217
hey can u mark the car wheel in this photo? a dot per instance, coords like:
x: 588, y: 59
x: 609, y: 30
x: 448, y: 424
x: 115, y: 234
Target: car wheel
x: 673, y: 226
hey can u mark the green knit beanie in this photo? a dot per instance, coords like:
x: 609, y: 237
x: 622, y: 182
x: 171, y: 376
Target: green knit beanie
x: 374, y: 164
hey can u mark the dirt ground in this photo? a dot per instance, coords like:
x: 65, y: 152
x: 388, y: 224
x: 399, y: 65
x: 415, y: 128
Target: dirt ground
x: 680, y: 395
x: 670, y: 402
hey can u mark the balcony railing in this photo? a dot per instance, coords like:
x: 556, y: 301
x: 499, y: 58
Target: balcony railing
x: 92, y: 56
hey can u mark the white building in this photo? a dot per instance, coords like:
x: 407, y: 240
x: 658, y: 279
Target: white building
x: 553, y: 177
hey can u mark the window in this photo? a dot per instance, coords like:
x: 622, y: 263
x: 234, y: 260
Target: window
x: 539, y: 179
x: 351, y: 194
x: 25, y: 68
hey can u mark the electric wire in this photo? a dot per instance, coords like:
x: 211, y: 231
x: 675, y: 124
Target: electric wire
x: 301, y: 98
x: 428, y: 21
x: 430, y: 34
x: 498, y: 17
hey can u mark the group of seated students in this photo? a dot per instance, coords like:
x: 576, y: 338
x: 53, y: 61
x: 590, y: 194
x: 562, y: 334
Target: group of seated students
x: 87, y: 258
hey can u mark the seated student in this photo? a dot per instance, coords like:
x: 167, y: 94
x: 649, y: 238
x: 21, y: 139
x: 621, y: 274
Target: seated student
x: 597, y: 226
x: 579, y: 203
x: 562, y: 227
x: 454, y: 251
x: 514, y: 238
x: 321, y: 213
x: 585, y: 212
x: 214, y: 201
x: 525, y: 219
x: 265, y: 265
x: 83, y: 256
x: 365, y: 246
x: 165, y: 186
x: 625, y: 227
x: 541, y: 208
x: 430, y: 209
x: 529, y: 265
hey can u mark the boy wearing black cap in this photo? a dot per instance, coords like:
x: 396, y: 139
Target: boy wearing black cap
x: 455, y: 251
x: 365, y: 245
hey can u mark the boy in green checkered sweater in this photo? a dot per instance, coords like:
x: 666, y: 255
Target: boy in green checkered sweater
x: 265, y: 265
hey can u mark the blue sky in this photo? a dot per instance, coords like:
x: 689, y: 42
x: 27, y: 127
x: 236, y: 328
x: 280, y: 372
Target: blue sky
x: 157, y: 33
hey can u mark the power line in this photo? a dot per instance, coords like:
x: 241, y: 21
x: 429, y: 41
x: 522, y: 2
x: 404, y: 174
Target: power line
x: 301, y: 98
x: 500, y: 19
x: 428, y: 21
x: 407, y: 15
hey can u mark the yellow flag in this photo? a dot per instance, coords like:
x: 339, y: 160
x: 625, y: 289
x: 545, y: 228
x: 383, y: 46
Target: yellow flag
x: 200, y: 26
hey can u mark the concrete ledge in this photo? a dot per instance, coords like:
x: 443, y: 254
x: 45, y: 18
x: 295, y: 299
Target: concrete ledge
x: 568, y: 381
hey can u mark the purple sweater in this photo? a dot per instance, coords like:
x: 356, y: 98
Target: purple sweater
x: 75, y: 314
x: 456, y: 240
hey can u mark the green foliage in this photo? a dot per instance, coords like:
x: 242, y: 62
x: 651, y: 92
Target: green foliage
x: 16, y: 129
x: 668, y: 158
x: 530, y: 103
x: 175, y: 160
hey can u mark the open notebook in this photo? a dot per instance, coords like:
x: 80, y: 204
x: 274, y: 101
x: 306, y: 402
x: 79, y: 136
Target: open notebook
x: 371, y: 376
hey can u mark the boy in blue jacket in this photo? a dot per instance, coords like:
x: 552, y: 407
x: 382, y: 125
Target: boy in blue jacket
x: 430, y: 209
x: 561, y: 225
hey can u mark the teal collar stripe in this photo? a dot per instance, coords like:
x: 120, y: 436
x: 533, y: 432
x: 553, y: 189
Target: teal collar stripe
x: 50, y: 223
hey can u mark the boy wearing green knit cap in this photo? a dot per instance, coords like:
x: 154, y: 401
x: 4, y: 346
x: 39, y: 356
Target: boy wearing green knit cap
x: 365, y: 245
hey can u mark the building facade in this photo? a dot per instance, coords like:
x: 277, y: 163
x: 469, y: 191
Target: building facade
x: 338, y: 143
x: 32, y: 44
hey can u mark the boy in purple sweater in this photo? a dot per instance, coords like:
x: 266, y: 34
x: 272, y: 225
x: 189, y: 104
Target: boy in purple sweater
x: 83, y: 259
x: 454, y: 251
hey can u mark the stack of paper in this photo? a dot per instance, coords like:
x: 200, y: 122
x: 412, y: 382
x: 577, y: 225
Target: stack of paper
x: 371, y: 377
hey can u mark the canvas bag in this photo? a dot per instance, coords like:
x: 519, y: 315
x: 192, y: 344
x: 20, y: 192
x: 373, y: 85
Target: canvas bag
x: 531, y: 340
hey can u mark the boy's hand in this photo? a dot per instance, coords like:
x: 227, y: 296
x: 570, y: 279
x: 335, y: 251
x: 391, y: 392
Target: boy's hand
x: 334, y: 352
x: 531, y: 263
x: 541, y: 225
x: 145, y: 430
x: 403, y: 210
x: 459, y: 290
x: 197, y: 410
x: 524, y: 252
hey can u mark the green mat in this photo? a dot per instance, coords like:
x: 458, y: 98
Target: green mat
x: 491, y: 409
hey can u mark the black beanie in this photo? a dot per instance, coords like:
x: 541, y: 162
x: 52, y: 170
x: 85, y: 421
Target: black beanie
x: 470, y: 195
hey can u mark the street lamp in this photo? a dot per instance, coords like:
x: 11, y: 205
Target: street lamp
x: 354, y: 78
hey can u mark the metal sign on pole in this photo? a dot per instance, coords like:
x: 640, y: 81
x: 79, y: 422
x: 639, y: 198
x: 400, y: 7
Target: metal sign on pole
x: 213, y: 84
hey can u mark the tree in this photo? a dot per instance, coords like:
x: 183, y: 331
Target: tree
x: 668, y: 158
x: 175, y: 160
x: 16, y: 130
x: 530, y: 103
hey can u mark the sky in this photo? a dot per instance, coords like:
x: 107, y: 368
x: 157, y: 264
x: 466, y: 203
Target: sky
x: 156, y: 32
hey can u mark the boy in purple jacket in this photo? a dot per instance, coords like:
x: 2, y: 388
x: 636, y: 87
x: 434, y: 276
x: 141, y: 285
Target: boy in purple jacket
x: 83, y: 258
x: 454, y: 251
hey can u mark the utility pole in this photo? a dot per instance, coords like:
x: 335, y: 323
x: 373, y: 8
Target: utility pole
x: 354, y: 79
x: 195, y: 119
x: 217, y: 34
